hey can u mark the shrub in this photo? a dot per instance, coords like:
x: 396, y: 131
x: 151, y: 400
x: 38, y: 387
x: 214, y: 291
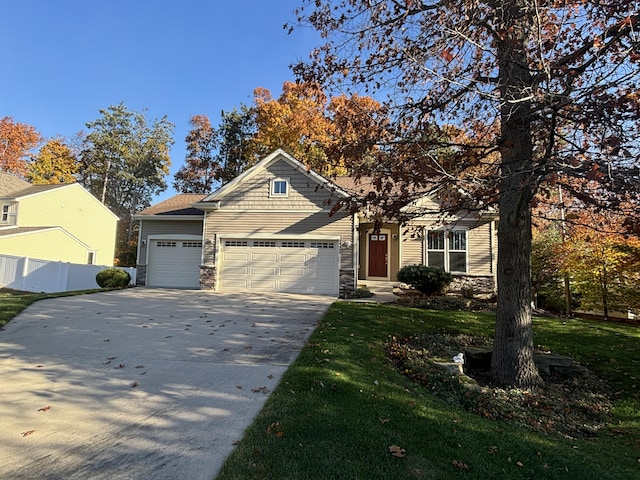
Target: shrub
x: 428, y: 280
x: 113, y: 278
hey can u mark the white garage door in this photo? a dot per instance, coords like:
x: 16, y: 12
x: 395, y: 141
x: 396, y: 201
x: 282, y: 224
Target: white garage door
x: 174, y: 263
x: 294, y: 266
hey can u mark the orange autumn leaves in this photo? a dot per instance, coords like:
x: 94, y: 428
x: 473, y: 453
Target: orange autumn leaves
x: 54, y: 162
x: 16, y: 140
x: 326, y: 134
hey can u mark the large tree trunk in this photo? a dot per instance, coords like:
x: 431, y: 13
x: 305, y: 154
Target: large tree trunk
x: 512, y: 362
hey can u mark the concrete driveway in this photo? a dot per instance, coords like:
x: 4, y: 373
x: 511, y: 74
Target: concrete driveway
x: 141, y: 383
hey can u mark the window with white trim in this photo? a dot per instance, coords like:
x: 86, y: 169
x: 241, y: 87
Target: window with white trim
x: 280, y: 187
x: 9, y: 213
x: 447, y: 250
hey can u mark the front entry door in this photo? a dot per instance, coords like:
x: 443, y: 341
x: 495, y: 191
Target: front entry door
x: 378, y: 254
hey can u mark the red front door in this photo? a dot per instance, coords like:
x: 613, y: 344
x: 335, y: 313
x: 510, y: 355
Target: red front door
x: 378, y: 254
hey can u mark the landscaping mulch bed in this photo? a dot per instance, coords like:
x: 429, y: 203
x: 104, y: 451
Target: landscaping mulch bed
x: 575, y: 406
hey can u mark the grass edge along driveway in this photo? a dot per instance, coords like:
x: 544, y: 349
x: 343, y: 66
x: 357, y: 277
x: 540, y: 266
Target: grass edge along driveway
x: 12, y: 302
x: 342, y: 412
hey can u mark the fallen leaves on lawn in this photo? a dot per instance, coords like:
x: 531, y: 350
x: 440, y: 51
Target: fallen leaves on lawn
x: 396, y: 451
x: 274, y: 430
x: 461, y: 465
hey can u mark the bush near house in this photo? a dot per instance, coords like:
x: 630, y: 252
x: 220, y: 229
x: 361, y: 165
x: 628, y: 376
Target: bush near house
x: 428, y: 280
x: 113, y: 278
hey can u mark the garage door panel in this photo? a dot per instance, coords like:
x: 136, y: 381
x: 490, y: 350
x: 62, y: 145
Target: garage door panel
x: 268, y: 257
x: 296, y: 272
x: 234, y: 283
x: 174, y: 263
x: 296, y: 266
x: 234, y: 256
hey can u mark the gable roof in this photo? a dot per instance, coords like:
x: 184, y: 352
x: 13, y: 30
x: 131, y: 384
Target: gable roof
x: 9, y: 184
x: 180, y: 204
x: 265, y: 163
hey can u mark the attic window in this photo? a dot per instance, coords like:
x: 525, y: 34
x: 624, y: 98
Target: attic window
x: 280, y: 187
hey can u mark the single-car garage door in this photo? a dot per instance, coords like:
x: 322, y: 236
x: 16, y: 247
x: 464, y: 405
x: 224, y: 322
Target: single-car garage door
x: 294, y: 266
x: 174, y: 263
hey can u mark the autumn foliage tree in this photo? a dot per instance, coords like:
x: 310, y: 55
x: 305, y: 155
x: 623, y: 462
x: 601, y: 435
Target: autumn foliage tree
x: 549, y: 87
x: 216, y: 156
x: 201, y: 169
x: 16, y: 142
x: 327, y: 134
x: 54, y: 163
x: 604, y: 264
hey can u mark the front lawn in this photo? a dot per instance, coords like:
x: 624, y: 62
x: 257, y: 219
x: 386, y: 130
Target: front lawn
x: 12, y: 302
x: 342, y: 411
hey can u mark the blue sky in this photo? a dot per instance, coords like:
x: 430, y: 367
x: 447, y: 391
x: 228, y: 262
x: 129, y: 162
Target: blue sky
x: 64, y: 60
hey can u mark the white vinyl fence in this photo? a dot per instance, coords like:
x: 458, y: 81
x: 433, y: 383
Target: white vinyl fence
x: 33, y: 275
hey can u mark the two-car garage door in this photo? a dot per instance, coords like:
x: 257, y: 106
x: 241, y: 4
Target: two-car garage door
x: 289, y: 265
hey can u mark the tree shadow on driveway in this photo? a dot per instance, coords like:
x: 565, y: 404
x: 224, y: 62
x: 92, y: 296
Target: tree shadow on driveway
x: 142, y: 383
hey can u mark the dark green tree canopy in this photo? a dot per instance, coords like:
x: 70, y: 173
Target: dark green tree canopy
x: 125, y: 159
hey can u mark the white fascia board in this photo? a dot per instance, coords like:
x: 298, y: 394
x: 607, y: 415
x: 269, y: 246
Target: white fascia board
x: 167, y: 217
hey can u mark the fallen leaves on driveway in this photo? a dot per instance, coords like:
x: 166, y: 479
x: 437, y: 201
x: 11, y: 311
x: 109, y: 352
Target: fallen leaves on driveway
x: 27, y: 433
x: 44, y: 409
x: 263, y: 390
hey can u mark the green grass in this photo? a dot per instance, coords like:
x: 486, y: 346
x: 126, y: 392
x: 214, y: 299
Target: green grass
x: 341, y: 405
x: 12, y: 302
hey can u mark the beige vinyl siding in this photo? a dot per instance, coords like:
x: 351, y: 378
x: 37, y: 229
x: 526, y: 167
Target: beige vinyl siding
x: 255, y: 192
x: 167, y: 227
x: 479, y: 250
x: 412, y: 243
x: 280, y: 223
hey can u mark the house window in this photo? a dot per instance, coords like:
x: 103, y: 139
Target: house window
x: 280, y: 187
x: 5, y: 213
x: 447, y: 250
x: 91, y: 258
